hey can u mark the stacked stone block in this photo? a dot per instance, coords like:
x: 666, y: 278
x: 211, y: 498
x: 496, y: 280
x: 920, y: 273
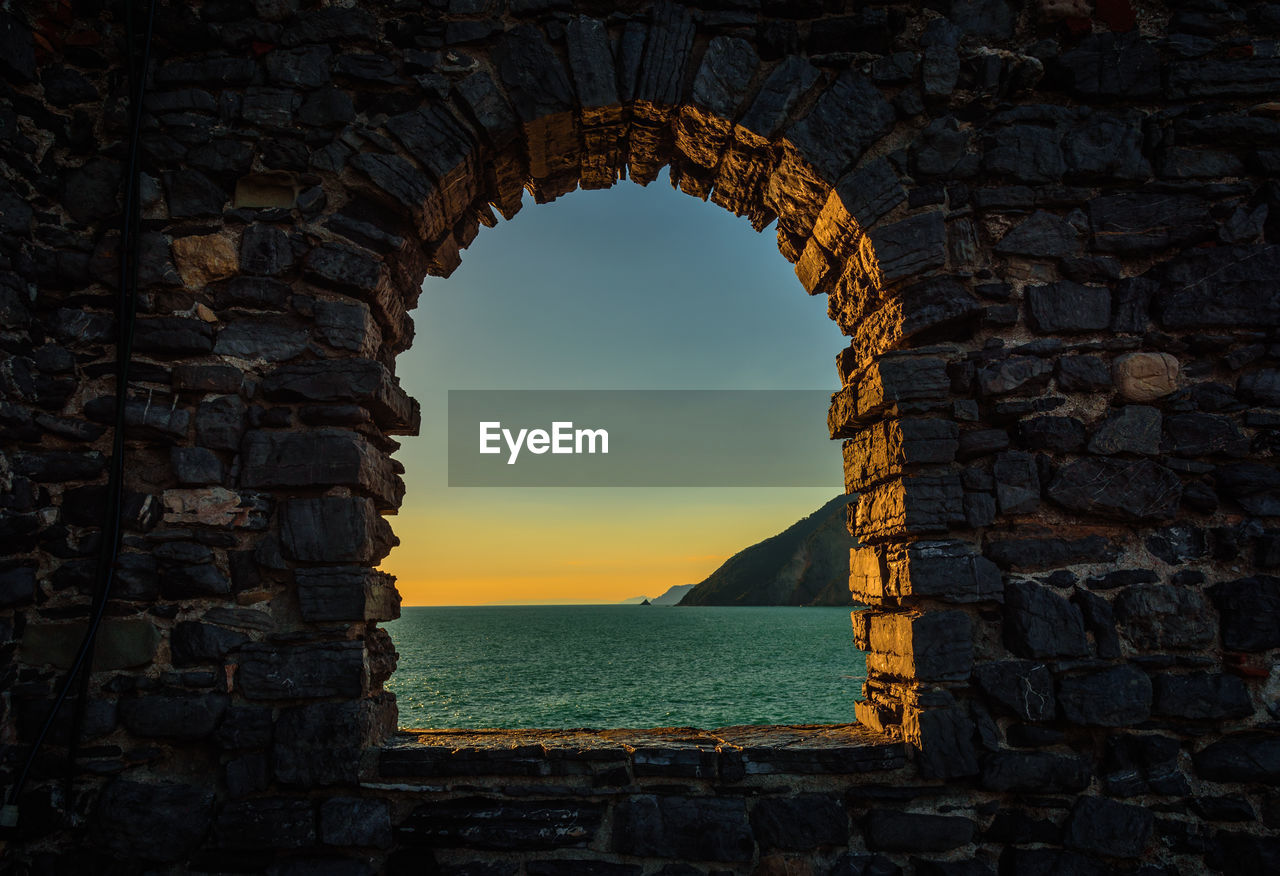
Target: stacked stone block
x: 1048, y: 229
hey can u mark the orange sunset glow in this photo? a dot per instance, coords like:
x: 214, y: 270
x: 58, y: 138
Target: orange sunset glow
x: 591, y: 548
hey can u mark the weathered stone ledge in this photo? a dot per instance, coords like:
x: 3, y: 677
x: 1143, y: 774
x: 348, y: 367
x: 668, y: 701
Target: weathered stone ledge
x: 619, y: 757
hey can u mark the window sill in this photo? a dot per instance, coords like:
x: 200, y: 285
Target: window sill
x: 615, y: 758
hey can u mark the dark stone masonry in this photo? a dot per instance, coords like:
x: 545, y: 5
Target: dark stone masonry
x: 1051, y: 231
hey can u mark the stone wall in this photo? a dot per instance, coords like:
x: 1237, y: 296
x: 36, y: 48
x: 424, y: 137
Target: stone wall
x: 1050, y: 231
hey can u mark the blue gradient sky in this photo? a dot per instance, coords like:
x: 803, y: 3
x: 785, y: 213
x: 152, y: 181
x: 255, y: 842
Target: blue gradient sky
x: 630, y: 288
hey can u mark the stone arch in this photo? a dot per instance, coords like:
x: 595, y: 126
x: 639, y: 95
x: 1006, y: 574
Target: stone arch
x: 753, y: 137
x: 1056, y: 406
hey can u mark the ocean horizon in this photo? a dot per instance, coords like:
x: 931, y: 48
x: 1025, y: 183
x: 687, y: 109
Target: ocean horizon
x: 610, y: 665
x: 569, y: 603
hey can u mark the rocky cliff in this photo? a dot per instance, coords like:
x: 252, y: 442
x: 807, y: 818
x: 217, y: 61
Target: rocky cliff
x: 673, y: 594
x: 805, y: 564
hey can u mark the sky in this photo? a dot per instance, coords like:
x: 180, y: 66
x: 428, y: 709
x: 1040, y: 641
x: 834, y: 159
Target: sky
x: 629, y: 288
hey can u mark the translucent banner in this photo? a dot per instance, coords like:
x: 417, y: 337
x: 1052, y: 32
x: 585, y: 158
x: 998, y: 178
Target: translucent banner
x: 641, y: 438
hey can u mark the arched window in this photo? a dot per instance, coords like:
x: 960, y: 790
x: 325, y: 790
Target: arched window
x: 514, y: 595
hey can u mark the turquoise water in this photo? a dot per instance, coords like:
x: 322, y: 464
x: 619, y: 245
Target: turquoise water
x: 624, y: 666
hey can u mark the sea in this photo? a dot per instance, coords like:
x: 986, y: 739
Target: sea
x: 624, y: 666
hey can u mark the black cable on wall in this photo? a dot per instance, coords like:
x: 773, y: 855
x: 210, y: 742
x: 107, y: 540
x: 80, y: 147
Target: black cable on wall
x: 125, y: 312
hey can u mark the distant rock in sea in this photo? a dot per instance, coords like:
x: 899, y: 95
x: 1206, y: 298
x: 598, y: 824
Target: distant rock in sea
x: 646, y: 602
x: 805, y: 564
